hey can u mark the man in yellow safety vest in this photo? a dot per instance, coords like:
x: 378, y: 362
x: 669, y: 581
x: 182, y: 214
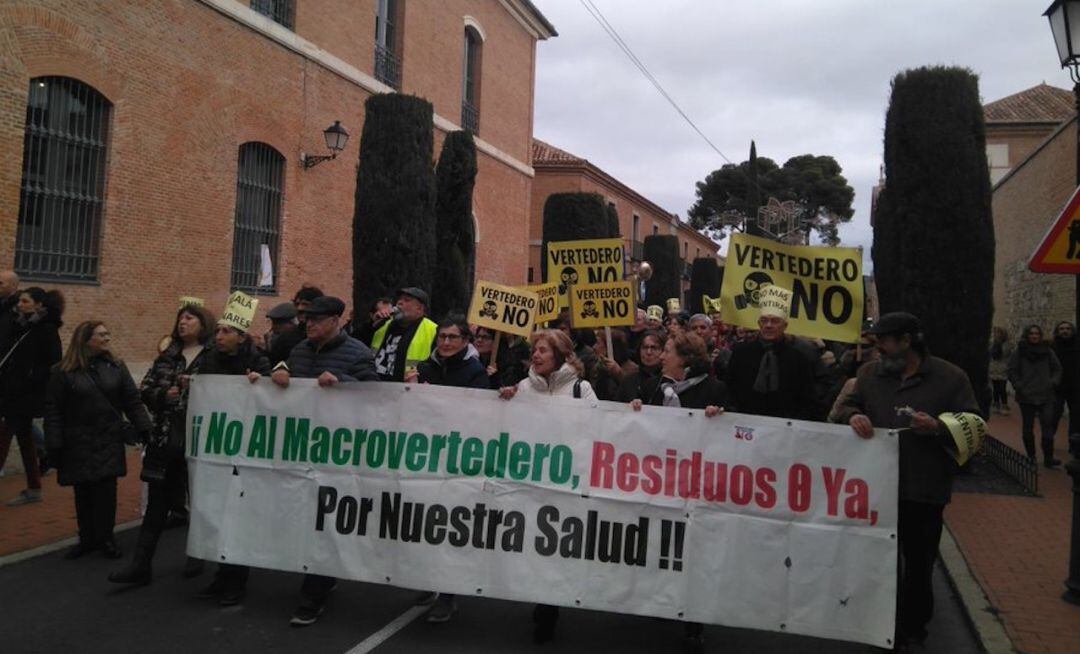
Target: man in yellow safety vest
x: 406, y: 340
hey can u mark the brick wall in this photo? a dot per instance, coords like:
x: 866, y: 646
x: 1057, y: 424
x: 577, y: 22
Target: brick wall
x: 1024, y: 207
x: 189, y: 85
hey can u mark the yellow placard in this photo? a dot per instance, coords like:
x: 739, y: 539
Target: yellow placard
x: 239, y: 311
x: 602, y: 305
x: 710, y: 305
x: 547, y: 296
x: 673, y: 305
x: 503, y: 308
x: 968, y: 431
x: 190, y: 301
x: 826, y: 286
x: 570, y: 263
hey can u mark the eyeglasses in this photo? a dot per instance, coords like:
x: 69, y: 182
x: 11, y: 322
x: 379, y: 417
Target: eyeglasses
x: 449, y: 337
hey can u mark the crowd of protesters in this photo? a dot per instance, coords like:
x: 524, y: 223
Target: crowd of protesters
x: 92, y: 407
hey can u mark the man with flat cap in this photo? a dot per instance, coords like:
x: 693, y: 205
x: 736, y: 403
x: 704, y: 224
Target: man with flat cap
x: 331, y: 356
x: 285, y: 332
x: 909, y: 390
x: 406, y: 340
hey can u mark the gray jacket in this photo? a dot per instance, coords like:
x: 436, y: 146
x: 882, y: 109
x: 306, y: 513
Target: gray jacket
x: 343, y: 356
x: 1034, y: 379
x: 926, y: 469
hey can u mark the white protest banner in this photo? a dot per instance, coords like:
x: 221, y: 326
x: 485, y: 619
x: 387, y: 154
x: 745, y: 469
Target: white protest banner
x: 736, y: 520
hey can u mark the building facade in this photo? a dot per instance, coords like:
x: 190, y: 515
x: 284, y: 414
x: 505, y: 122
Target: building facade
x: 156, y: 148
x: 1017, y: 124
x: 558, y: 171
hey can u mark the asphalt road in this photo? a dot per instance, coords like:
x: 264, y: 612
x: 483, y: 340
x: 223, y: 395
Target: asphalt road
x: 50, y: 605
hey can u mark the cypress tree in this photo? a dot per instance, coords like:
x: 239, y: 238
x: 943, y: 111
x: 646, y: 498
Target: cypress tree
x: 455, y: 178
x: 612, y: 222
x: 704, y: 280
x: 662, y: 253
x: 394, y: 220
x: 573, y: 217
x: 933, y: 230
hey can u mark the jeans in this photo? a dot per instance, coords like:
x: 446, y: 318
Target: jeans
x: 1045, y: 415
x: 22, y: 429
x: 95, y: 511
x: 919, y: 532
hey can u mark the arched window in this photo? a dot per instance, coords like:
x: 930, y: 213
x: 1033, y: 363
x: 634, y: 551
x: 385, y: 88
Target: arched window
x: 63, y: 181
x: 470, y: 95
x: 260, y: 186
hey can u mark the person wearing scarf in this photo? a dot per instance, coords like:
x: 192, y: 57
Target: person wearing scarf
x: 1000, y: 352
x: 1035, y: 372
x: 769, y: 376
x: 684, y: 382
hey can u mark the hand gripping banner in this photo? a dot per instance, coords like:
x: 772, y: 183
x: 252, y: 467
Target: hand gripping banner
x: 735, y: 520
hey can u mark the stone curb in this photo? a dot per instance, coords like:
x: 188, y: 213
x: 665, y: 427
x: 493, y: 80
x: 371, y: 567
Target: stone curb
x: 57, y: 545
x: 980, y: 612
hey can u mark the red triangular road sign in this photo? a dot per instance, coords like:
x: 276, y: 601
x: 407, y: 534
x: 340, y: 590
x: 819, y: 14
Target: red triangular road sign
x: 1059, y: 251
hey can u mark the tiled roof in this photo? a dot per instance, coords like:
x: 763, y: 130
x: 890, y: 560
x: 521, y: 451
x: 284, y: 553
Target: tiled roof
x: 1039, y: 104
x: 545, y: 153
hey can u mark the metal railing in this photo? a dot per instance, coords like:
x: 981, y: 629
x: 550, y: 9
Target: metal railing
x: 387, y: 67
x: 470, y: 117
x: 1013, y: 463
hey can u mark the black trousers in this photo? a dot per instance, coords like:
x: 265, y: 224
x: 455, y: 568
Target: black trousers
x: 316, y: 589
x: 95, y: 511
x: 1001, y: 393
x: 1045, y: 414
x: 160, y: 498
x: 919, y: 533
x: 232, y: 576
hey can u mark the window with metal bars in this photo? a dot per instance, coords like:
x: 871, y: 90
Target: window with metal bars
x: 260, y: 185
x: 63, y: 181
x: 281, y: 12
x: 470, y: 93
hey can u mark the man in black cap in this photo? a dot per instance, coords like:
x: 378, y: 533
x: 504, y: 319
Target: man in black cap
x: 331, y: 356
x: 906, y: 389
x: 402, y: 343
x: 284, y: 334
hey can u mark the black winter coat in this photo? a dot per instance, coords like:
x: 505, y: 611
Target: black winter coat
x: 344, y: 357
x: 795, y: 399
x: 169, y: 415
x: 25, y: 375
x: 708, y: 391
x: 281, y: 345
x: 246, y: 359
x: 631, y: 386
x: 463, y: 370
x: 7, y: 320
x: 77, y: 419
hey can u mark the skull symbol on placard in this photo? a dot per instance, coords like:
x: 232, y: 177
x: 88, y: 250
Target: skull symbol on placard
x: 588, y: 310
x: 752, y: 286
x: 567, y: 278
x: 489, y: 310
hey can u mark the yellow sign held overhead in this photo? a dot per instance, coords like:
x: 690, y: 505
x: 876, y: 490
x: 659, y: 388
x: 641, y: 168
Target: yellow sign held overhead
x: 239, y: 311
x: 548, y: 298
x: 503, y: 308
x: 1059, y: 251
x: 602, y: 305
x: 826, y: 286
x: 190, y: 301
x: 594, y: 261
x: 673, y: 305
x: 710, y: 305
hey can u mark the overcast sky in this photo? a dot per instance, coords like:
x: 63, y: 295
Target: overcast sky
x: 796, y: 76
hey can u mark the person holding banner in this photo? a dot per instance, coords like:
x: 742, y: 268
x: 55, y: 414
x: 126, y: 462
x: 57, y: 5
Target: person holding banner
x: 331, y: 356
x: 769, y: 376
x: 234, y: 353
x: 164, y: 392
x: 555, y: 370
x: 931, y: 402
x: 407, y: 339
x: 90, y: 393
x: 651, y: 346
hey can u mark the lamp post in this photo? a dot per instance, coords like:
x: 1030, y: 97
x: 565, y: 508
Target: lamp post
x: 336, y: 138
x: 1064, y: 18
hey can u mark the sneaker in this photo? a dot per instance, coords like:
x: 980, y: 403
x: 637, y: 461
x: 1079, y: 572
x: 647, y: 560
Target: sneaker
x: 306, y: 615
x: 214, y: 590
x: 426, y: 598
x: 26, y: 496
x: 442, y: 610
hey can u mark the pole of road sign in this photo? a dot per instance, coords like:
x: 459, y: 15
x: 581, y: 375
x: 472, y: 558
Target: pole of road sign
x: 1072, y: 583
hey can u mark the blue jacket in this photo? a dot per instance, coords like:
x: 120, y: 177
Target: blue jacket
x: 344, y: 357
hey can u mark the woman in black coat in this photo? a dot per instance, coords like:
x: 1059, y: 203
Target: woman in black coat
x: 650, y: 348
x: 89, y: 393
x: 164, y: 391
x: 32, y: 349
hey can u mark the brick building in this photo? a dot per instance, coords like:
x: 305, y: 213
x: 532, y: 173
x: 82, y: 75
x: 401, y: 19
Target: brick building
x: 1034, y: 135
x: 558, y: 171
x: 153, y: 147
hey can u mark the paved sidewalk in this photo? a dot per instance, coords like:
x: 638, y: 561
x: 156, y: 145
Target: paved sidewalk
x: 53, y: 519
x: 1018, y: 550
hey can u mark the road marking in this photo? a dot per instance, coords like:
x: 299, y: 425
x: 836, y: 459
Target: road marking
x: 57, y: 545
x: 387, y: 632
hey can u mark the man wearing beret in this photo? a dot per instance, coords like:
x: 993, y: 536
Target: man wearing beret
x: 905, y: 389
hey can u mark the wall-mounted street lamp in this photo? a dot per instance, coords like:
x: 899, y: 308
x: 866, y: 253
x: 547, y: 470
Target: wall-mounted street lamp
x: 336, y: 138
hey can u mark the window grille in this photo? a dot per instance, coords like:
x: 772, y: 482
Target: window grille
x: 281, y: 12
x: 63, y: 181
x: 260, y: 185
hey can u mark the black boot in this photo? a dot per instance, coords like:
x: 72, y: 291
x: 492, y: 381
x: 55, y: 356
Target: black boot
x: 138, y: 572
x: 1048, y: 454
